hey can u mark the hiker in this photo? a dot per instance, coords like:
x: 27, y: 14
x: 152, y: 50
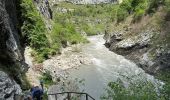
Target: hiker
x: 36, y: 93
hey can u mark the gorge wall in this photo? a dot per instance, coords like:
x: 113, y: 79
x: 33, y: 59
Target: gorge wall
x: 145, y: 42
x: 12, y: 63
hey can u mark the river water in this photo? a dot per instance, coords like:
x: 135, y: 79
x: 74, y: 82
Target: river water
x: 107, y: 66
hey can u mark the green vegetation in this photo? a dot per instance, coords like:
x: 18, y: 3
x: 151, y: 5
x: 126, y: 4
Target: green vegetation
x: 47, y: 79
x: 70, y: 21
x: 34, y: 30
x: 139, y: 90
x: 137, y: 8
x: 167, y: 4
x: 91, y: 19
x: 165, y: 77
x: 73, y: 20
x: 46, y: 43
x: 33, y: 26
x: 64, y: 31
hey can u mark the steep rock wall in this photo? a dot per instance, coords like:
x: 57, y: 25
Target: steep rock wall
x: 11, y: 56
x: 9, y: 88
x: 146, y: 48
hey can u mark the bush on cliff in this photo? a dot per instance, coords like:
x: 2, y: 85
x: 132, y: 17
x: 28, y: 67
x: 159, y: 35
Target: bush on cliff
x: 33, y: 26
x: 34, y: 30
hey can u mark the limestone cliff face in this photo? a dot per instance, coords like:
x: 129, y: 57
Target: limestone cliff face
x: 11, y: 58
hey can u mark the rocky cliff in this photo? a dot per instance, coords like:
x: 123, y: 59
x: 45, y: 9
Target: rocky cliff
x: 11, y: 56
x: 9, y: 88
x: 145, y: 42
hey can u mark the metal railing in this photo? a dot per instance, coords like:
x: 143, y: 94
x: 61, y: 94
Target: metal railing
x: 87, y: 96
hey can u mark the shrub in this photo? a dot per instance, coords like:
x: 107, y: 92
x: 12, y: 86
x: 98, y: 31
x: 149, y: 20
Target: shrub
x: 126, y: 5
x: 114, y: 13
x: 124, y: 10
x: 33, y: 26
x: 164, y: 75
x: 121, y: 14
x: 139, y: 90
x: 34, y: 29
x: 138, y: 14
x: 167, y: 5
x: 140, y: 8
x: 154, y: 4
x: 47, y: 79
x: 65, y: 31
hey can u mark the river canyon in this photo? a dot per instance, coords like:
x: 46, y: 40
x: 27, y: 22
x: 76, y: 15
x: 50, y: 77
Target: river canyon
x: 107, y: 66
x: 61, y: 42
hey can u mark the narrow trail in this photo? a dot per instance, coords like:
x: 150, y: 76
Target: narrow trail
x: 32, y: 74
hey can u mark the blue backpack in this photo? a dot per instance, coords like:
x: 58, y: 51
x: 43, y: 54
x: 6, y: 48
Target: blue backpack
x: 36, y: 93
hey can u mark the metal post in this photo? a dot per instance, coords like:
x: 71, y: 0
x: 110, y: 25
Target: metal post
x: 86, y: 96
x: 56, y: 96
x: 69, y: 96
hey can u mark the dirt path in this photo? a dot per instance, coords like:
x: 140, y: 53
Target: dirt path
x: 32, y: 74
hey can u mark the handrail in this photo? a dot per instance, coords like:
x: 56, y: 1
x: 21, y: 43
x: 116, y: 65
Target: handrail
x: 69, y: 96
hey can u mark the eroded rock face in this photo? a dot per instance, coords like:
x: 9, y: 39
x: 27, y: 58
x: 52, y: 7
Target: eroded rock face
x: 152, y: 65
x: 11, y: 57
x: 43, y: 6
x: 9, y: 37
x: 116, y: 41
x: 8, y: 87
x: 139, y: 48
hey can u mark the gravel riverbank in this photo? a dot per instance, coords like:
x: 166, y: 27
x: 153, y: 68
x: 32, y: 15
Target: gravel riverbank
x: 70, y: 57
